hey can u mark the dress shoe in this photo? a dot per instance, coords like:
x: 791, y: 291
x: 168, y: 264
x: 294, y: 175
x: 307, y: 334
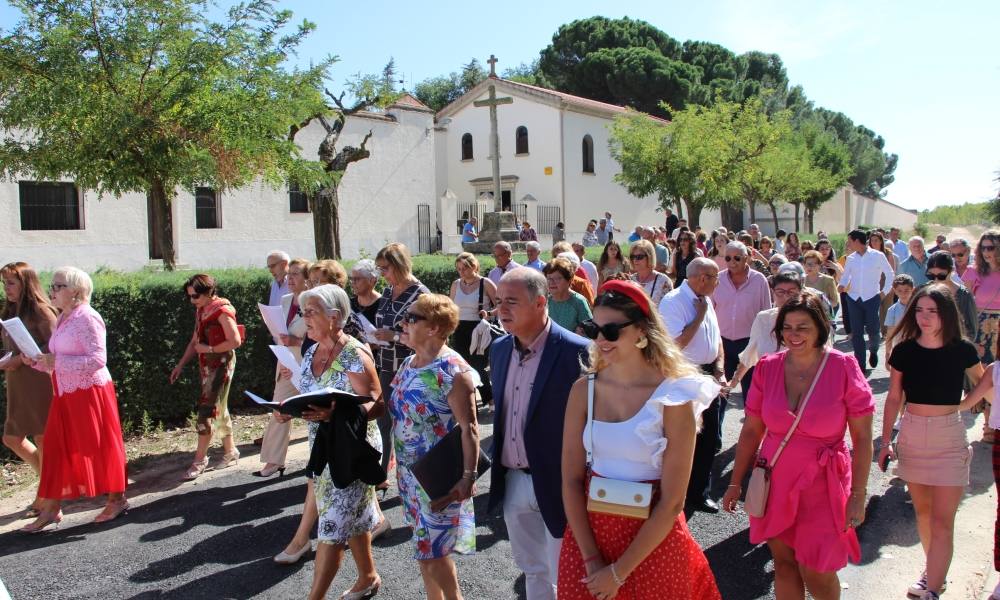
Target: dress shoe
x: 873, y: 359
x: 706, y: 505
x: 283, y: 558
x: 368, y: 592
x: 259, y: 441
x: 269, y: 470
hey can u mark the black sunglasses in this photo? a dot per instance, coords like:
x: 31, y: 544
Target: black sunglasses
x: 937, y: 276
x: 193, y: 296
x: 985, y: 248
x: 635, y: 257
x: 610, y: 331
x: 736, y: 258
x: 412, y: 318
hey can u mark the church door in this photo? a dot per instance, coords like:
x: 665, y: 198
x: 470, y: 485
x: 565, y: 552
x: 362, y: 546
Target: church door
x: 505, y: 203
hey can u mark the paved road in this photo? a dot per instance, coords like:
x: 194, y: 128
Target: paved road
x: 215, y: 539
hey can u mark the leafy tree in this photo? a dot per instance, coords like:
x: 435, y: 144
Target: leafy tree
x: 151, y: 95
x: 438, y: 92
x: 637, y: 77
x: 526, y: 73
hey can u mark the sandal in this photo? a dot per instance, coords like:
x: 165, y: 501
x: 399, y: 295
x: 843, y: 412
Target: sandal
x: 43, y: 521
x: 196, y: 469
x: 31, y: 513
x: 230, y: 459
x: 112, y: 510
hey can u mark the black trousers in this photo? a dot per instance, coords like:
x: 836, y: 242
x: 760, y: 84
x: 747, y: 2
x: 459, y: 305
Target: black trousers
x: 732, y: 349
x: 385, y: 421
x: 707, y: 444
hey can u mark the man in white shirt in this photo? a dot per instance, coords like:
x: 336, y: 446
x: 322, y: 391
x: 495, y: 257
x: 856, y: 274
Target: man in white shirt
x: 690, y: 319
x: 533, y: 249
x: 611, y: 226
x: 899, y: 247
x: 277, y: 264
x: 861, y: 274
x: 677, y: 232
x: 502, y: 252
x: 588, y: 267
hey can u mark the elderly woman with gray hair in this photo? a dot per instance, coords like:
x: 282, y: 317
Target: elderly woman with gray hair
x: 348, y: 514
x: 364, y: 276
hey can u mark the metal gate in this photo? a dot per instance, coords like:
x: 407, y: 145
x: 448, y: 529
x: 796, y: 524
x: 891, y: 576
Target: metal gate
x: 424, y: 228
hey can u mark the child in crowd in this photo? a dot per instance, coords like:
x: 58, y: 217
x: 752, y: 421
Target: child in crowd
x: 902, y: 287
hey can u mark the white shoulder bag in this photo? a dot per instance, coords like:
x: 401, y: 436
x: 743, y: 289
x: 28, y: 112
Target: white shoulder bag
x: 613, y: 496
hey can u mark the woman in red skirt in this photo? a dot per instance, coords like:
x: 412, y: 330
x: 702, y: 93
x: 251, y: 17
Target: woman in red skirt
x: 644, y: 393
x: 84, y: 449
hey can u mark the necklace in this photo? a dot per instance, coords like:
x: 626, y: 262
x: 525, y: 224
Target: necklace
x: 468, y: 286
x: 325, y: 363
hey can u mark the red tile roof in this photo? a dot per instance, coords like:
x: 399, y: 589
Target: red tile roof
x: 409, y: 101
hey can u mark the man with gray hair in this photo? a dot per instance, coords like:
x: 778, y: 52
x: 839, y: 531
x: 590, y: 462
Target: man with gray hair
x: 961, y: 251
x: 533, y: 249
x: 742, y: 293
x: 532, y: 370
x: 502, y: 252
x: 915, y: 265
x: 690, y: 319
x: 277, y: 264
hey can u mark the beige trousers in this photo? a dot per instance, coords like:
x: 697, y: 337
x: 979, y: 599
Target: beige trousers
x: 274, y: 447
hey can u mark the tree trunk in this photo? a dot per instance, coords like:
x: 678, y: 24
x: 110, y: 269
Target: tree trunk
x: 774, y: 215
x: 797, y: 205
x: 323, y: 205
x: 694, y: 214
x: 162, y: 202
x: 753, y: 211
x: 680, y: 209
x: 810, y: 214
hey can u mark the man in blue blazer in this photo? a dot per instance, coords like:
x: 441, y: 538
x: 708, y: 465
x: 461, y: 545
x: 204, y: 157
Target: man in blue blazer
x: 531, y: 371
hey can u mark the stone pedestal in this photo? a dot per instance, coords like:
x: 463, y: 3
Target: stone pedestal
x: 496, y: 226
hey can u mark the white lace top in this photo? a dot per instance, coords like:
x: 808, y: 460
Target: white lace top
x: 79, y: 345
x: 632, y: 450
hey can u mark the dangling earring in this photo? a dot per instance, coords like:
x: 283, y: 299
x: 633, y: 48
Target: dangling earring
x: 642, y: 342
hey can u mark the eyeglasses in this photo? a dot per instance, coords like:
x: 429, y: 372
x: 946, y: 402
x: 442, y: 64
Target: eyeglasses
x: 778, y: 293
x: 381, y: 269
x: 937, y: 276
x: 309, y: 313
x: 635, y: 257
x: 413, y: 318
x: 987, y: 248
x: 357, y: 278
x: 55, y: 287
x: 610, y: 331
x: 958, y: 254
x: 735, y: 258
x: 193, y: 296
x: 272, y: 265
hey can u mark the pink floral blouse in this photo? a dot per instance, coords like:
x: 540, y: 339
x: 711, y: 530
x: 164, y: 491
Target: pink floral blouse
x: 79, y: 346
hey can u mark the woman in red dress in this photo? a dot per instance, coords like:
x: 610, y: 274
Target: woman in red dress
x: 84, y: 448
x: 645, y: 393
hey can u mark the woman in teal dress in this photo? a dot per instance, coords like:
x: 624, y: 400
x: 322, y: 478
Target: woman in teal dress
x: 433, y: 392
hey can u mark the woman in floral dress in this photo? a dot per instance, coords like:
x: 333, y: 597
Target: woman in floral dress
x: 346, y: 515
x: 434, y: 392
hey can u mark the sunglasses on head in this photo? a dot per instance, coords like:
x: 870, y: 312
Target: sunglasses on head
x: 936, y: 276
x: 412, y: 318
x: 610, y: 331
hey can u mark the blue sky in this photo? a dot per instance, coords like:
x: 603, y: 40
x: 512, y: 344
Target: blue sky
x: 924, y: 75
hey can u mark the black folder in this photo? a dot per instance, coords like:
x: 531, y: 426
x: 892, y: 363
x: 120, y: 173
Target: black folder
x: 323, y: 398
x: 441, y: 468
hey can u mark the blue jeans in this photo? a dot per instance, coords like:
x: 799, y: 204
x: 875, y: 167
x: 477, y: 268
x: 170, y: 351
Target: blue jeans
x: 864, y: 318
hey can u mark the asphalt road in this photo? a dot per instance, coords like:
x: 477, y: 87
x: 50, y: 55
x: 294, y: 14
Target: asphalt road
x: 215, y: 538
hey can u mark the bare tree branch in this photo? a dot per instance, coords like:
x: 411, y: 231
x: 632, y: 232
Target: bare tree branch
x: 100, y: 48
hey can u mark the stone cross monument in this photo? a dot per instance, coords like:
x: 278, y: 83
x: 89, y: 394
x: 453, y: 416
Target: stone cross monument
x: 492, y: 103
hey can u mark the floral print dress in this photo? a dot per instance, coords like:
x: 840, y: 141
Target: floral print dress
x: 353, y: 510
x: 421, y: 417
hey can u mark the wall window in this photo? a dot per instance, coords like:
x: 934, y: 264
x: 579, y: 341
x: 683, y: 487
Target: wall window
x: 206, y: 209
x: 49, y: 205
x: 588, y: 154
x: 298, y: 202
x: 467, y: 146
x: 521, y: 140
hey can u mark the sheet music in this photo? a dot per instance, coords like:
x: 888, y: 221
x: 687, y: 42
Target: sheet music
x: 275, y: 321
x: 369, y: 331
x: 288, y: 360
x: 22, y: 339
x: 260, y: 400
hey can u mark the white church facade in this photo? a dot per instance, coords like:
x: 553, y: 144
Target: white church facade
x: 424, y: 172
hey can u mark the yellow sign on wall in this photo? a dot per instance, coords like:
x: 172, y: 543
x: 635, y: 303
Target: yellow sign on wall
x: 548, y: 170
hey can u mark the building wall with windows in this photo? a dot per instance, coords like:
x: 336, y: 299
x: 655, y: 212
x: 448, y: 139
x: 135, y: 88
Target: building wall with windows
x: 379, y: 198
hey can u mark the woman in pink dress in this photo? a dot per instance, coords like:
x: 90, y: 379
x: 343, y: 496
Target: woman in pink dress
x: 84, y: 448
x: 817, y: 494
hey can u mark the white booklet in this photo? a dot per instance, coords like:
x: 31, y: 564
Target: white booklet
x: 369, y: 330
x: 22, y: 339
x: 288, y: 360
x: 274, y: 320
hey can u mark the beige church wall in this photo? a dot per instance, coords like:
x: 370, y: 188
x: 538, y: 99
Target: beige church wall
x: 542, y: 122
x: 113, y: 234
x: 848, y: 209
x: 588, y: 196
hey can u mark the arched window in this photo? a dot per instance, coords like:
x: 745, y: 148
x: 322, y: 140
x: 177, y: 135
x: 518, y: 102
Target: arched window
x: 467, y: 146
x: 588, y: 154
x: 521, y: 140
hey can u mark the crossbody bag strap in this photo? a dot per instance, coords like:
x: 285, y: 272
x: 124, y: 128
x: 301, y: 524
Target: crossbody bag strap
x: 482, y: 284
x: 589, y: 446
x: 802, y: 409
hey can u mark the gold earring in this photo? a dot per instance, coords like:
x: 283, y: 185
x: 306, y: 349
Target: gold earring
x: 642, y: 342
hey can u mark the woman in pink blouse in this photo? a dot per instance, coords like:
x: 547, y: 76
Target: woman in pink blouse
x: 817, y: 494
x: 984, y: 282
x: 84, y: 448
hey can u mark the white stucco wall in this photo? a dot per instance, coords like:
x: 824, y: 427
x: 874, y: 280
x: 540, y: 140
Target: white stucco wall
x: 379, y: 198
x: 848, y: 209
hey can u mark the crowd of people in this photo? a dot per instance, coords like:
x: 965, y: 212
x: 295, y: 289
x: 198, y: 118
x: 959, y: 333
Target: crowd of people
x: 608, y: 385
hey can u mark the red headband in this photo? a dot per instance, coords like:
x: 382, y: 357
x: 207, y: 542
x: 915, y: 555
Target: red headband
x: 629, y: 288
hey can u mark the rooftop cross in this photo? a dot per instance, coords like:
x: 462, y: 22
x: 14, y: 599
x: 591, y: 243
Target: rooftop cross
x: 493, y: 66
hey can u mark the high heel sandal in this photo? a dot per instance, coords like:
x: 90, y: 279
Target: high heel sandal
x: 45, y: 519
x: 269, y: 470
x: 197, y: 468
x: 230, y: 459
x: 368, y: 592
x: 118, y: 508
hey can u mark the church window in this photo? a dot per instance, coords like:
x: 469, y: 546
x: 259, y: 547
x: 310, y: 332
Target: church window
x: 521, y: 140
x: 206, y: 209
x: 467, y: 146
x: 298, y: 202
x: 588, y: 154
x: 47, y: 205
